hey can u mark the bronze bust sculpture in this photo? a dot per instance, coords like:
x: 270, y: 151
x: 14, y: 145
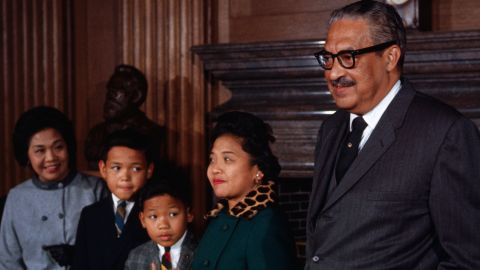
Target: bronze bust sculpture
x: 126, y: 92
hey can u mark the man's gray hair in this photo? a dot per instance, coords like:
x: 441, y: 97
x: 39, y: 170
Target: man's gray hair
x: 384, y: 21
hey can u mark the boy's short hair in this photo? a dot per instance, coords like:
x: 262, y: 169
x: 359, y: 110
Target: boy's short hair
x: 174, y: 184
x: 130, y: 138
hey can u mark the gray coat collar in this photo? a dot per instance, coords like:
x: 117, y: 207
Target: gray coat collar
x: 54, y: 184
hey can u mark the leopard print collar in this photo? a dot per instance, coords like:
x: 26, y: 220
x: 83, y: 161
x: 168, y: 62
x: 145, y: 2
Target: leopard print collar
x: 256, y: 200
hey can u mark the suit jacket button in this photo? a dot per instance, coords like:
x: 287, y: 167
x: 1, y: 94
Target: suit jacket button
x: 225, y: 227
x: 44, y: 218
x: 316, y: 258
x: 206, y: 263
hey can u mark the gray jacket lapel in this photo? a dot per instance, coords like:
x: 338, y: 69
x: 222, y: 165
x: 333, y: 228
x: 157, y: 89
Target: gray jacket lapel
x: 153, y: 252
x: 381, y: 138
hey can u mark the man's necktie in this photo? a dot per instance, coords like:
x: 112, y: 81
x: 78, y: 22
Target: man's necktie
x: 120, y: 217
x: 166, y: 259
x: 349, y: 149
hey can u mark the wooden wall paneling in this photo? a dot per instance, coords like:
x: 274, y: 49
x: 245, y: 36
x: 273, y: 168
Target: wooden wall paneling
x: 36, y: 67
x: 80, y: 81
x: 278, y: 27
x: 455, y: 15
x: 200, y: 35
x: 7, y: 164
x: 66, y: 43
x: 274, y: 20
x: 95, y: 50
x: 156, y: 36
x: 220, y: 25
x: 277, y: 20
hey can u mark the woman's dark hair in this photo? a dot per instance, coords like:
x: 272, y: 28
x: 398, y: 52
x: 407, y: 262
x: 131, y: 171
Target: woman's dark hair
x: 130, y: 138
x: 38, y: 119
x: 255, y: 135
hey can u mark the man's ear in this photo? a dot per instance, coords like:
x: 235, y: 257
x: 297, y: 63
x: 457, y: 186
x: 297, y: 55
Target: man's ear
x: 150, y: 169
x: 392, y: 56
x: 102, y: 167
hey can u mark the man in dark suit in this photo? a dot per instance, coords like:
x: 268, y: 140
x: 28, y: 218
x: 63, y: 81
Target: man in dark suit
x: 397, y: 173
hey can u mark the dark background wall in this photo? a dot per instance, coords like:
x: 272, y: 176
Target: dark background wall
x: 61, y: 53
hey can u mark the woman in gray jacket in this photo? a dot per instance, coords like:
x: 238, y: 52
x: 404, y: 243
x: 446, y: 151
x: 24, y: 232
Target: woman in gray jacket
x: 41, y: 214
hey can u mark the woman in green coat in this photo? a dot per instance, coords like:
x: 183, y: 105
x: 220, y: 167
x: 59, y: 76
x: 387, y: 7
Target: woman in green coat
x: 246, y: 229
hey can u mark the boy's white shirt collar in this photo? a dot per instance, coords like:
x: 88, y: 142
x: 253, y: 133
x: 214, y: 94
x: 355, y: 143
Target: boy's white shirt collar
x: 128, y: 207
x: 373, y: 116
x: 175, y: 250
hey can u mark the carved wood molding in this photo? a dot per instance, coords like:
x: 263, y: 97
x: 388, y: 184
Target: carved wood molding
x: 283, y: 83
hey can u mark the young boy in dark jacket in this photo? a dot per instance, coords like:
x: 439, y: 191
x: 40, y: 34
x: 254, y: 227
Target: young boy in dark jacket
x: 109, y: 229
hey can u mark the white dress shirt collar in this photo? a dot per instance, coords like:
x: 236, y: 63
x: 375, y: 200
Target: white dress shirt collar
x: 373, y: 116
x: 175, y: 250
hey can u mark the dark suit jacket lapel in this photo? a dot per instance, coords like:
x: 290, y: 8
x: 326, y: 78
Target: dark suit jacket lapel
x: 132, y: 227
x: 133, y: 220
x: 109, y: 218
x: 381, y: 138
x: 322, y: 175
x: 108, y: 247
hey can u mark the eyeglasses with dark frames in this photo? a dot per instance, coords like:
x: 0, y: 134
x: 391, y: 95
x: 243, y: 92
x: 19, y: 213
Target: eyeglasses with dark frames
x: 346, y: 58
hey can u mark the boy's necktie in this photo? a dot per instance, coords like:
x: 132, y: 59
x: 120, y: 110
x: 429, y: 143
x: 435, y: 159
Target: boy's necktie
x: 120, y: 217
x: 349, y: 149
x: 166, y: 259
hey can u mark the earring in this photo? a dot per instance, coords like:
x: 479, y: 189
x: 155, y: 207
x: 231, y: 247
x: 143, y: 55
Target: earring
x: 258, y: 178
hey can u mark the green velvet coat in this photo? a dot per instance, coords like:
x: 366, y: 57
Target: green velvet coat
x: 231, y: 243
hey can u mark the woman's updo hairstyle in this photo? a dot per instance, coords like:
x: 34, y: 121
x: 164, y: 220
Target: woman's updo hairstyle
x: 38, y: 119
x: 255, y: 136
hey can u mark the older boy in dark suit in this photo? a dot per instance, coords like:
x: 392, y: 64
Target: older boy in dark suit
x: 110, y: 228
